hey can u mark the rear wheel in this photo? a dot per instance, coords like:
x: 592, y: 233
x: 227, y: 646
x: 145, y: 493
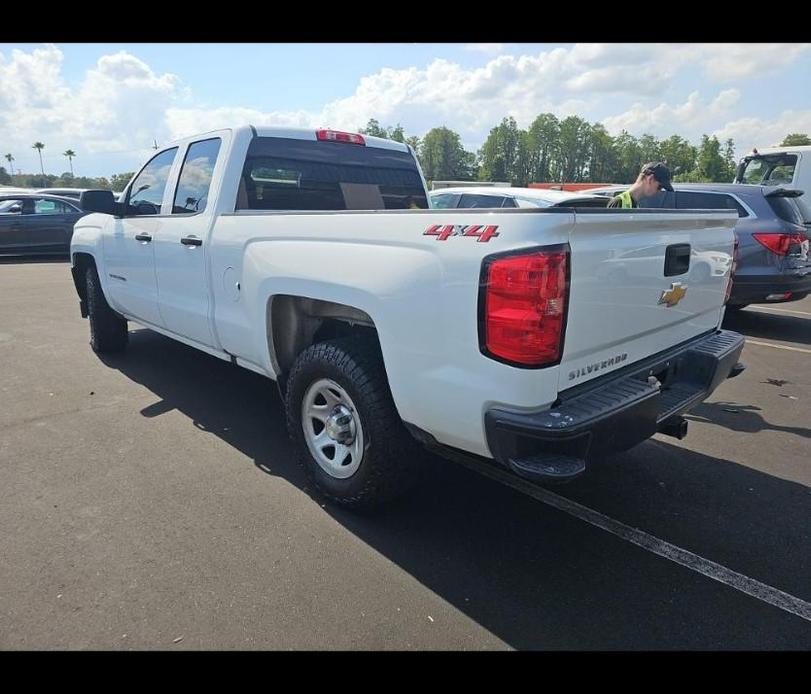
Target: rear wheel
x: 108, y: 331
x: 348, y: 435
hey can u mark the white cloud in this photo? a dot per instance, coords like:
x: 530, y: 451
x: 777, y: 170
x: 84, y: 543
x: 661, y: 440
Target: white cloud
x: 118, y: 107
x: 686, y: 119
x: 725, y: 61
x: 489, y: 48
x: 758, y: 132
x: 182, y: 122
x: 122, y: 103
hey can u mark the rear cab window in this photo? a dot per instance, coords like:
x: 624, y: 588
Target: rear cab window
x: 292, y: 174
x: 770, y: 169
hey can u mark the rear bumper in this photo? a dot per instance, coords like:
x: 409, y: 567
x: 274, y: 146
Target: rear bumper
x: 615, y: 412
x: 753, y: 289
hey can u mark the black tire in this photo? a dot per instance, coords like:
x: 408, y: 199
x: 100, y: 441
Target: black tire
x: 108, y: 331
x: 391, y: 460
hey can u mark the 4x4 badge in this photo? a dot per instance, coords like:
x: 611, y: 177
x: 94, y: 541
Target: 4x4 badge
x: 674, y: 295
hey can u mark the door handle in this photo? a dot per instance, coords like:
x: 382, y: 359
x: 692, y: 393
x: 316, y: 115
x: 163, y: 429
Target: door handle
x: 191, y: 241
x: 144, y: 238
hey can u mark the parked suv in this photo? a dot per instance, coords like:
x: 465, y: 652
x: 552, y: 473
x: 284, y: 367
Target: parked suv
x: 773, y: 262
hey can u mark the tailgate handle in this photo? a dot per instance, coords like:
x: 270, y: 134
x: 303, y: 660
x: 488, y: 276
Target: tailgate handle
x: 677, y: 259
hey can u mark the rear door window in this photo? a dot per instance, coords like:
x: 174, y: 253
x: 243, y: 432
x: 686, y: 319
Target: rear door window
x: 43, y: 206
x: 664, y: 199
x: 481, y: 200
x: 292, y: 174
x: 693, y: 200
x: 194, y: 182
x: 444, y: 201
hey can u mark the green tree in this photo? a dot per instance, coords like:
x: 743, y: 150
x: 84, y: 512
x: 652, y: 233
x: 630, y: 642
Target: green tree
x: 710, y: 164
x: 603, y: 156
x: 10, y: 159
x: 414, y: 141
x: 69, y: 153
x: 5, y: 177
x: 503, y: 154
x: 629, y: 157
x: 396, y: 133
x: 39, y: 147
x: 729, y: 160
x: 374, y: 129
x: 650, y: 149
x: 679, y: 154
x: 542, y: 145
x: 442, y: 156
x: 575, y: 146
x: 119, y: 181
x: 795, y: 140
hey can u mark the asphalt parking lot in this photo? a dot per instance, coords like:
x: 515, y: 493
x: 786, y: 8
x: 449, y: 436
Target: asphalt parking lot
x: 150, y: 501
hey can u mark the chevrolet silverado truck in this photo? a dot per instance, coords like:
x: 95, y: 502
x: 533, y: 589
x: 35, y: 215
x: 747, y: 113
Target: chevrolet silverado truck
x: 312, y: 257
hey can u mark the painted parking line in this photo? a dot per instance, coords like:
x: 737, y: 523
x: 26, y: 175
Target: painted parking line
x: 717, y: 572
x: 779, y: 310
x: 769, y: 344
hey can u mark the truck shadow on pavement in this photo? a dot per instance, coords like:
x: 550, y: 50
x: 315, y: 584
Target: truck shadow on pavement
x: 770, y: 326
x: 532, y: 576
x: 30, y: 259
x: 743, y: 418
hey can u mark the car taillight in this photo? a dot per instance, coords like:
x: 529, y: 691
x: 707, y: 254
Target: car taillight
x: 338, y: 136
x: 733, y: 266
x: 523, y: 306
x: 780, y: 244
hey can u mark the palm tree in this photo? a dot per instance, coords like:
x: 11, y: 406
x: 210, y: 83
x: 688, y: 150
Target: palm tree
x: 69, y: 153
x: 10, y: 159
x: 39, y: 147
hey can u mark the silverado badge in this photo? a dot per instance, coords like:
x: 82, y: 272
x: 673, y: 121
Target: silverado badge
x: 674, y: 295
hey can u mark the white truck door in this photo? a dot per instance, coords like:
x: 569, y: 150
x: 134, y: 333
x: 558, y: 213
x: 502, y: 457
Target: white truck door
x: 180, y: 249
x: 129, y: 242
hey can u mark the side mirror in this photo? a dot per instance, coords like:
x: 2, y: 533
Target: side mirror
x: 98, y: 201
x: 15, y: 209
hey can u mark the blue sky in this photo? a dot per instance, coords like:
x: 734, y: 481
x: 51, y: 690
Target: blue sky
x: 108, y: 101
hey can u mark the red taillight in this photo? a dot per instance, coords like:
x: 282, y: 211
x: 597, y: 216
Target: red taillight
x: 733, y: 266
x: 524, y: 307
x: 780, y: 244
x: 338, y: 136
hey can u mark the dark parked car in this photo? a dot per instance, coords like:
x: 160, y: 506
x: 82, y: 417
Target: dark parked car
x: 34, y: 223
x: 62, y: 192
x: 774, y: 263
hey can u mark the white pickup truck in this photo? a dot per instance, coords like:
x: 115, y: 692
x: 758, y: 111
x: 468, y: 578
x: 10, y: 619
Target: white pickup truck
x: 542, y: 339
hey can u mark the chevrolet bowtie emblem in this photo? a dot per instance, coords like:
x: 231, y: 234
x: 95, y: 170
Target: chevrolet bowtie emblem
x: 674, y: 295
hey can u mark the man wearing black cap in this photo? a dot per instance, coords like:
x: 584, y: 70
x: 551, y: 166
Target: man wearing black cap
x: 655, y: 176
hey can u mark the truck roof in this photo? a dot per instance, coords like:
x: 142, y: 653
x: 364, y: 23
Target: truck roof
x: 293, y: 133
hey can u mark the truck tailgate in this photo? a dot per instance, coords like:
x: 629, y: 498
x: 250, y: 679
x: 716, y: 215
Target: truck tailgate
x: 641, y: 283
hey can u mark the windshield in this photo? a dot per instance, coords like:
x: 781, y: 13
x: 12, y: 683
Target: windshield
x: 768, y: 169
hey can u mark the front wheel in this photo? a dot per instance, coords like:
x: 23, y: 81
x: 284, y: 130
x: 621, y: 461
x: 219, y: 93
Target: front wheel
x: 108, y: 331
x: 348, y: 435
